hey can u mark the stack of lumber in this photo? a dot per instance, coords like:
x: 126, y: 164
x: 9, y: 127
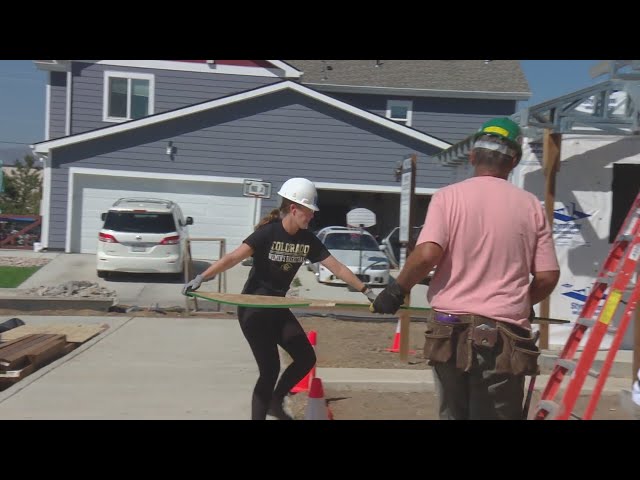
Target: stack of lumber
x: 25, y: 349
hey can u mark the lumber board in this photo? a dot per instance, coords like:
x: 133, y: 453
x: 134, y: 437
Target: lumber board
x: 74, y: 333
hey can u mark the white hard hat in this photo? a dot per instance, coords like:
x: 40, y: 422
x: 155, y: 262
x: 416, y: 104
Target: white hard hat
x: 302, y: 191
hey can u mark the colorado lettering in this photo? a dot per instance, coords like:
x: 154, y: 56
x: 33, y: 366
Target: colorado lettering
x: 295, y: 248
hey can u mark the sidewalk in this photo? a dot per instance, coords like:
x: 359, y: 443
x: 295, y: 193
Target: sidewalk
x: 173, y: 368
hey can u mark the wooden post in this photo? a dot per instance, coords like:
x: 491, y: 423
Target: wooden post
x: 189, y: 271
x: 405, y: 322
x: 551, y: 165
x: 405, y: 316
x: 188, y: 275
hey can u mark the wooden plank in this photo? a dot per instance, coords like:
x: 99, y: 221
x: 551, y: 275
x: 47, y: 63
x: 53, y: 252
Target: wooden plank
x: 14, y: 376
x: 7, y: 348
x: 245, y: 300
x: 266, y: 301
x: 15, y: 357
x: 49, y: 348
x: 74, y: 333
x: 54, y: 349
x: 551, y: 165
x: 51, y: 341
x: 31, y: 350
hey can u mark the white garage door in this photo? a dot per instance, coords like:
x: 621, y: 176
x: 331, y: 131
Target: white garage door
x: 218, y: 209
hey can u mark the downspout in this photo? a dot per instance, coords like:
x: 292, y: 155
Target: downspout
x: 67, y: 126
x: 47, y: 109
x: 45, y: 203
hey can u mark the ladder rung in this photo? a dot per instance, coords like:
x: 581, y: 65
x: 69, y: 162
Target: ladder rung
x: 606, y: 278
x: 569, y: 365
x: 624, y: 237
x: 586, y: 321
x: 593, y: 373
x: 550, y: 407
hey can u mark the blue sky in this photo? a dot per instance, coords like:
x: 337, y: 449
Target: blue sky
x: 22, y: 93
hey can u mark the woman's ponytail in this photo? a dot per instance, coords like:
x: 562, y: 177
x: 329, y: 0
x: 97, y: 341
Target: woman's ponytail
x: 272, y: 216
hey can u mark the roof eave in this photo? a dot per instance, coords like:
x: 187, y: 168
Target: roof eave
x: 419, y: 92
x: 53, y: 65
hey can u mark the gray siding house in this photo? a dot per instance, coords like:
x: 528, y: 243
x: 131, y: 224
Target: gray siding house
x: 197, y: 131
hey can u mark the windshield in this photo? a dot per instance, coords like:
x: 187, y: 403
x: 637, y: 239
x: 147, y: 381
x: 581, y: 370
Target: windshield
x: 135, y: 222
x: 350, y: 241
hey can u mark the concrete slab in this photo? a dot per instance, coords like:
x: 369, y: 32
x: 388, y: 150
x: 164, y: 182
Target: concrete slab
x: 143, y: 368
x: 37, y: 303
x: 628, y: 405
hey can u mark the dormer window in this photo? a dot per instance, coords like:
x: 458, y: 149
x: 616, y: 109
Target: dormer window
x: 400, y: 111
x: 127, y: 96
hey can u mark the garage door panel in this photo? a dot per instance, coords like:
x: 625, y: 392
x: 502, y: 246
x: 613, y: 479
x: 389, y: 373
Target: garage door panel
x: 216, y: 212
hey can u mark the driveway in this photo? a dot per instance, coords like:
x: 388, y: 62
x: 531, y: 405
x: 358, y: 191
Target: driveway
x: 147, y: 290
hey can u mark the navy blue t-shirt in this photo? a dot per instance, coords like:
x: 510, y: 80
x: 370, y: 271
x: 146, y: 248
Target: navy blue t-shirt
x: 277, y: 256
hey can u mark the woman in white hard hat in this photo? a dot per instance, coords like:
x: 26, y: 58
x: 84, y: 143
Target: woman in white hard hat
x: 279, y: 245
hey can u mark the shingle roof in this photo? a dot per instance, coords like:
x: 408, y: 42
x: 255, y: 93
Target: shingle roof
x: 457, y: 75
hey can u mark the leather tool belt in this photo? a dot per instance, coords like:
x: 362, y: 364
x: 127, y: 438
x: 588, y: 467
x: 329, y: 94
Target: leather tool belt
x: 458, y: 337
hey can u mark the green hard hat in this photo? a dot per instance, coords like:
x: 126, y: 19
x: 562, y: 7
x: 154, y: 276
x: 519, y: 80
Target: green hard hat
x: 503, y: 128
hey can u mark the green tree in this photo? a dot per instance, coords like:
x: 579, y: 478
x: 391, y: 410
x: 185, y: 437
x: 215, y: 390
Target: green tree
x: 22, y: 189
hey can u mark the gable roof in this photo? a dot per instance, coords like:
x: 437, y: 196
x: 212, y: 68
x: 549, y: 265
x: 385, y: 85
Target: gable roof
x: 455, y: 78
x: 46, y: 146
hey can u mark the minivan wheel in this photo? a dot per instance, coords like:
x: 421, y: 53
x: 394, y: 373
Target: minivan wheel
x: 102, y: 274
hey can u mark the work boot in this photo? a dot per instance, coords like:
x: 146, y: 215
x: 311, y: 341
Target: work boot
x: 278, y: 410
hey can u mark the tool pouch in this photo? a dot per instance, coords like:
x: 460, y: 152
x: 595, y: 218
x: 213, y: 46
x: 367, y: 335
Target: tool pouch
x: 519, y: 354
x: 444, y: 340
x: 473, y: 336
x: 438, y: 341
x: 484, y: 336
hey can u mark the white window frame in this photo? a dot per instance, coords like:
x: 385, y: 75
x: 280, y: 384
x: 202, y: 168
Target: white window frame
x: 129, y: 76
x: 401, y: 103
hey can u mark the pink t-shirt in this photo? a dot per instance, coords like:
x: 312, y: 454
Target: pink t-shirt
x: 493, y: 235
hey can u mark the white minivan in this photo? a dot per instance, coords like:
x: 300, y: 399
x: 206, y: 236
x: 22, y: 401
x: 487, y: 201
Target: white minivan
x: 142, y: 235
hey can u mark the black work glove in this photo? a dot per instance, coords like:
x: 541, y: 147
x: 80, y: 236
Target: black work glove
x: 389, y: 299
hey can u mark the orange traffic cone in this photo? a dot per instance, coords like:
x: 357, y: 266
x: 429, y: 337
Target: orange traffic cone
x: 304, y: 384
x: 316, y: 404
x: 395, y: 348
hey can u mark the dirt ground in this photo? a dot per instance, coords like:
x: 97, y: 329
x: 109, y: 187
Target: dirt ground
x: 358, y: 344
x: 342, y: 342
x: 371, y: 405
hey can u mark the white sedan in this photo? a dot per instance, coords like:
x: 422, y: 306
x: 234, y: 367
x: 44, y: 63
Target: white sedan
x: 359, y: 252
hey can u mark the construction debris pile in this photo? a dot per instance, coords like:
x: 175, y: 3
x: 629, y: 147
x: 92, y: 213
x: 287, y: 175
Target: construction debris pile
x: 23, y: 261
x: 74, y: 288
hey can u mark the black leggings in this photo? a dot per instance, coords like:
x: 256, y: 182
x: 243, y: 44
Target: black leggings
x: 265, y: 329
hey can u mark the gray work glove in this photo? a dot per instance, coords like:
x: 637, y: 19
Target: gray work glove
x: 389, y: 300
x: 370, y: 295
x: 193, y: 284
